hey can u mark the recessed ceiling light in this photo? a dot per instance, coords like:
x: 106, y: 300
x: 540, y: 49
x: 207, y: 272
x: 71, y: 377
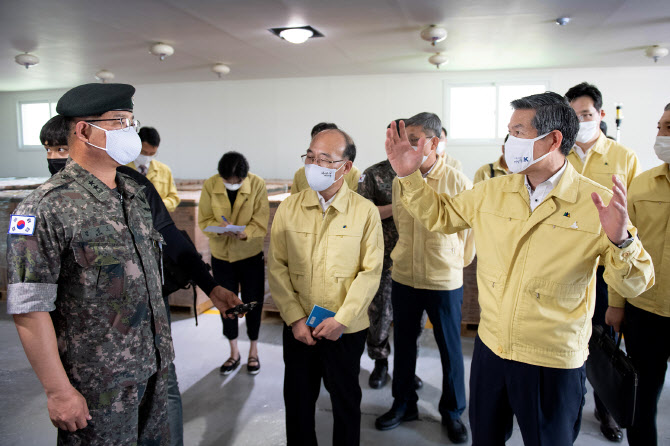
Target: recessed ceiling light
x: 296, y: 34
x: 562, y: 21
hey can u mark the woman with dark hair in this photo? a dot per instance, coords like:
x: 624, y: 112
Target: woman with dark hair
x: 236, y: 196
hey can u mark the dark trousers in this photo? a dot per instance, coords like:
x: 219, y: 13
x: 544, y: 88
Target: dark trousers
x: 547, y: 402
x: 599, y: 319
x: 380, y: 313
x: 444, y: 310
x: 338, y: 363
x: 648, y: 345
x: 248, y: 276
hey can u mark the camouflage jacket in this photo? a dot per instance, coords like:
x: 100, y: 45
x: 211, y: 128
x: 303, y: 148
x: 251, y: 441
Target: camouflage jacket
x: 93, y: 262
x: 376, y: 184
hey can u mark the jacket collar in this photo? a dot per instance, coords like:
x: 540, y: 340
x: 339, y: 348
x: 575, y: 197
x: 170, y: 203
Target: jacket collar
x: 340, y: 202
x: 566, y: 189
x: 96, y: 187
x: 438, y: 169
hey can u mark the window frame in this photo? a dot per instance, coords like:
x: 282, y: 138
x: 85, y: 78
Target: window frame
x: 19, y: 119
x: 447, y: 86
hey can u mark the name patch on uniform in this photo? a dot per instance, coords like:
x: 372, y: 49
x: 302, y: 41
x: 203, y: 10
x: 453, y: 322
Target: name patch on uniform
x: 22, y: 224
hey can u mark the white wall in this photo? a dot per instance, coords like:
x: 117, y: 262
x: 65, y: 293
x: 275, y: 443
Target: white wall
x: 269, y: 120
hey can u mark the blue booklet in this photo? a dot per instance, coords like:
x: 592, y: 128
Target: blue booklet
x: 317, y: 316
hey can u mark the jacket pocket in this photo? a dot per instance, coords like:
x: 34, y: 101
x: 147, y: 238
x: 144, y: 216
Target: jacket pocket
x: 100, y: 269
x: 343, y: 254
x: 300, y: 280
x: 491, y: 285
x: 554, y: 315
x: 443, y: 258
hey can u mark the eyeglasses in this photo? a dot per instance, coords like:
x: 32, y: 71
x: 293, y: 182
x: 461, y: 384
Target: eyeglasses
x: 126, y: 123
x: 309, y: 159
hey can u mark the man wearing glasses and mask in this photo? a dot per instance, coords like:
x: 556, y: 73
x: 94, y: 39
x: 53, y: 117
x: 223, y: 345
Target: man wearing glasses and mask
x: 85, y: 282
x: 326, y: 249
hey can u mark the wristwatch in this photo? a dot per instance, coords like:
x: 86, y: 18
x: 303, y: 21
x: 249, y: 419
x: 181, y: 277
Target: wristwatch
x: 626, y: 243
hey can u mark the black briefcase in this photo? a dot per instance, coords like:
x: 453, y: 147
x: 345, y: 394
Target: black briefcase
x: 612, y: 376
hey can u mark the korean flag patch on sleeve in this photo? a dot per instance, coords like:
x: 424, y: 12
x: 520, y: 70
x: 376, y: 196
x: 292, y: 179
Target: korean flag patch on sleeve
x: 22, y: 224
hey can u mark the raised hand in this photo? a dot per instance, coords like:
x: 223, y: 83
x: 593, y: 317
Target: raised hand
x: 404, y: 159
x: 614, y: 217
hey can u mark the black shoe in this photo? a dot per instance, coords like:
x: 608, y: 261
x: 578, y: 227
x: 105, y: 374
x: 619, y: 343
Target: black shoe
x: 456, y: 430
x: 253, y: 365
x: 397, y: 414
x: 417, y: 383
x: 609, y: 427
x: 379, y: 376
x: 229, y: 366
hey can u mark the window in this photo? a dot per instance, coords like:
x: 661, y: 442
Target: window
x: 482, y: 112
x: 32, y: 116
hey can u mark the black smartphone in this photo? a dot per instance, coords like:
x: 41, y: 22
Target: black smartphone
x: 242, y: 309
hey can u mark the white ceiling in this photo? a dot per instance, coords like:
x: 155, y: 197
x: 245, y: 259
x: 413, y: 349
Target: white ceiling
x: 76, y: 38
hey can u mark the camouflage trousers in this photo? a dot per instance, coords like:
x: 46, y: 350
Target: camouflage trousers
x: 133, y: 415
x: 380, y: 313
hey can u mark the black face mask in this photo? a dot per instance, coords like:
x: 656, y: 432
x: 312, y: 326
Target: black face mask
x: 56, y: 165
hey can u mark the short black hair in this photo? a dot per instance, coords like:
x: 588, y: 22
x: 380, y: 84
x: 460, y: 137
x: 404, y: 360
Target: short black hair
x: 445, y: 132
x: 233, y: 164
x: 429, y: 122
x: 552, y: 112
x: 321, y: 126
x: 603, y: 127
x: 586, y: 89
x: 55, y: 131
x: 667, y: 108
x: 150, y: 136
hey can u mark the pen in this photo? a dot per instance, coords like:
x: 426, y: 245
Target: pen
x: 224, y: 219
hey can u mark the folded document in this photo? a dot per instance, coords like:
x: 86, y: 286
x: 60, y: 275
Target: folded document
x: 224, y: 229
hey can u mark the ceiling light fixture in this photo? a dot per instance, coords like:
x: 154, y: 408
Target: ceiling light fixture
x: 433, y: 34
x: 296, y: 34
x: 161, y: 50
x: 27, y: 60
x: 104, y: 75
x: 220, y: 69
x: 438, y: 59
x: 562, y: 21
x: 656, y: 52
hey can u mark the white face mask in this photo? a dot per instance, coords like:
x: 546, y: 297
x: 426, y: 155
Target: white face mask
x: 123, y: 145
x: 662, y: 148
x: 519, y: 153
x: 441, y: 147
x: 231, y: 186
x: 143, y: 160
x: 587, y: 131
x: 425, y: 157
x: 321, y: 178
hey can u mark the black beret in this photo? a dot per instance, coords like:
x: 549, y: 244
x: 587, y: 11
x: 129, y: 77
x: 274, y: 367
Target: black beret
x: 95, y: 99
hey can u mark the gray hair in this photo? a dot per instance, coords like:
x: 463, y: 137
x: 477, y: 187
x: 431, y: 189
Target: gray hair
x: 552, y: 112
x: 429, y: 122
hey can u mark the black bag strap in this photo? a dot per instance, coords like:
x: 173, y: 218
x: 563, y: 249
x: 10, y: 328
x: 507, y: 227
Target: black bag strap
x: 492, y: 172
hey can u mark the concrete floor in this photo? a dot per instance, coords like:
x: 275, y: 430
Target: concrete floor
x: 244, y: 410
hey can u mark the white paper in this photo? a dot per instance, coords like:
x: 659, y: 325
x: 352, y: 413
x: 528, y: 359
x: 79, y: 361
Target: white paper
x: 224, y: 229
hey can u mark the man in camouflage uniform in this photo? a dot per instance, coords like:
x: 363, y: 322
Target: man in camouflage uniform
x: 376, y: 184
x: 85, y: 282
